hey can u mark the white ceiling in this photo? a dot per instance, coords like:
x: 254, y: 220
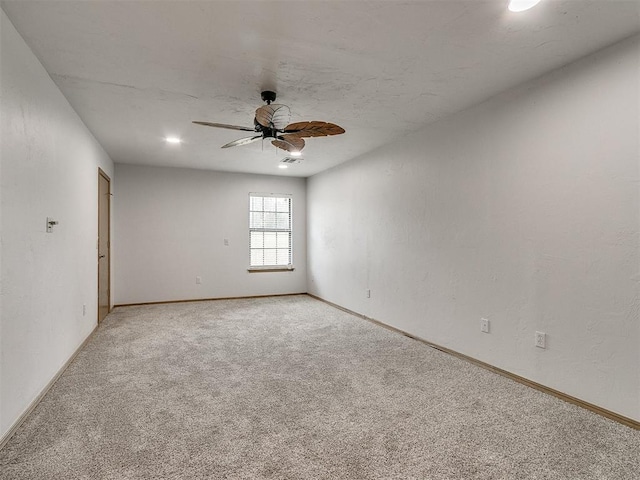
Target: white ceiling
x: 139, y: 71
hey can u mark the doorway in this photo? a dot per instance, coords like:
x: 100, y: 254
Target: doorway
x: 104, y: 245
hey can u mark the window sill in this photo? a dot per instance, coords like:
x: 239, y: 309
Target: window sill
x: 287, y: 268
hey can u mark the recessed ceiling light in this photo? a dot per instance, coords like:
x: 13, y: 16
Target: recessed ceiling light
x: 173, y: 140
x: 522, y: 5
x: 296, y: 154
x: 283, y: 166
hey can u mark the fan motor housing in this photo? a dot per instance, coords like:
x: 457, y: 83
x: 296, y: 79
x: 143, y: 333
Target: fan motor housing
x: 268, y: 96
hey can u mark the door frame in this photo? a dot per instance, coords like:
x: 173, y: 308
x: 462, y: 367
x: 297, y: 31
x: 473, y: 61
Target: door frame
x: 101, y: 173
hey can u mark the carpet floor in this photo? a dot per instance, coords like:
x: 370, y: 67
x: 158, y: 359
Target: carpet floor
x: 292, y: 388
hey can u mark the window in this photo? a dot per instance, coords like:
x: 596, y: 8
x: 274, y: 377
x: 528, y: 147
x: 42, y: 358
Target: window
x: 270, y: 230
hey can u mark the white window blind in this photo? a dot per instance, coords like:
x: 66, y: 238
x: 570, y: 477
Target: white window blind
x: 270, y: 230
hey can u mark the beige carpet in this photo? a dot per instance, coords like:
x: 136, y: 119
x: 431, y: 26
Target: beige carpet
x: 287, y: 388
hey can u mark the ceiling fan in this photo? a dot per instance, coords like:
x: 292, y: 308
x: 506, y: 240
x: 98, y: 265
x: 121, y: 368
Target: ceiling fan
x: 272, y: 122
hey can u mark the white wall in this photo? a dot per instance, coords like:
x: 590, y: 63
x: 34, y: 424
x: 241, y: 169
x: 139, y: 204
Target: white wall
x: 49, y: 164
x: 524, y: 210
x: 170, y: 226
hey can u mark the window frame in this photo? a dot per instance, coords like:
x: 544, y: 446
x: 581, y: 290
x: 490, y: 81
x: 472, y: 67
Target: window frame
x: 272, y: 268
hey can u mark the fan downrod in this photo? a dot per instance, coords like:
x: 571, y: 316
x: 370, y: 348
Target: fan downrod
x: 268, y: 96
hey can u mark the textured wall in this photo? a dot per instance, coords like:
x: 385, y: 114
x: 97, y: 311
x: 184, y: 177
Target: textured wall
x: 170, y: 226
x: 524, y: 210
x: 49, y: 168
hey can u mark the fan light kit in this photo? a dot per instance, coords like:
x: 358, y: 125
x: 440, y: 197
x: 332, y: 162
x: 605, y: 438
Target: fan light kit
x: 522, y: 5
x: 272, y: 122
x: 173, y: 140
x: 283, y: 166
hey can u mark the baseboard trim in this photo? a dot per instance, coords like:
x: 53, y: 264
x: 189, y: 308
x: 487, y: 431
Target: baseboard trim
x: 629, y: 422
x: 164, y: 302
x: 16, y: 425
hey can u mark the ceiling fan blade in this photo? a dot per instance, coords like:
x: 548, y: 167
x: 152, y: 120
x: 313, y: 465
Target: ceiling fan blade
x: 273, y: 116
x: 224, y: 125
x: 290, y: 143
x: 313, y: 129
x: 242, y: 141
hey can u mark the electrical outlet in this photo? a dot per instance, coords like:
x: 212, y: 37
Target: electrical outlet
x: 484, y: 325
x: 198, y: 280
x: 84, y: 309
x: 541, y: 340
x: 368, y: 293
x: 226, y: 242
